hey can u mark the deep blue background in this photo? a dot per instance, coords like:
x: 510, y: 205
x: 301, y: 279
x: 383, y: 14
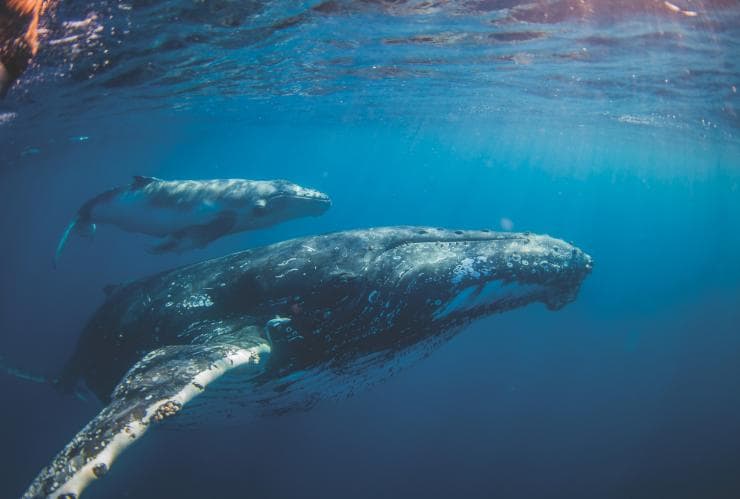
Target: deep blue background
x: 631, y: 391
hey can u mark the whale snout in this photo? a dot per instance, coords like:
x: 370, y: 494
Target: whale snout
x: 289, y: 189
x: 317, y: 202
x: 321, y: 198
x: 293, y: 200
x: 573, y: 271
x: 581, y: 259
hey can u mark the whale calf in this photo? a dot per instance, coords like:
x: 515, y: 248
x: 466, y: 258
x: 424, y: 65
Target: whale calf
x: 192, y: 213
x: 277, y: 328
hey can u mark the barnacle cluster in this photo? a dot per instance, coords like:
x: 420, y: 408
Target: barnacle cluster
x: 169, y: 408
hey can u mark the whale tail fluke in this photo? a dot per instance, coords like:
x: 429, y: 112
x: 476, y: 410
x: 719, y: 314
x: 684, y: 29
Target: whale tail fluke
x: 83, y: 228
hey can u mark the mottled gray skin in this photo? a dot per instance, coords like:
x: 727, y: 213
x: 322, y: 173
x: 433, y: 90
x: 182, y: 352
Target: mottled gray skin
x: 324, y: 304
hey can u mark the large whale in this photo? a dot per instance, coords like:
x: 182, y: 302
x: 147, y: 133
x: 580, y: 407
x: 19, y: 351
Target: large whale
x: 192, y: 213
x: 279, y: 327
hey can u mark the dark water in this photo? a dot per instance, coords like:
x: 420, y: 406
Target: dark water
x: 609, y: 124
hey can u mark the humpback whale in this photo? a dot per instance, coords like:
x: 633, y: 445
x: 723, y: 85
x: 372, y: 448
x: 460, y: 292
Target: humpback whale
x: 192, y: 213
x: 279, y: 327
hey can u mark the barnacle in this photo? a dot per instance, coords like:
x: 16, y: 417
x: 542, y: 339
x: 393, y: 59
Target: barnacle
x: 169, y: 408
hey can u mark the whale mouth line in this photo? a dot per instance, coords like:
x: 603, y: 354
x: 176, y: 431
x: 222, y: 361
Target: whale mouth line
x: 478, y: 297
x: 299, y: 196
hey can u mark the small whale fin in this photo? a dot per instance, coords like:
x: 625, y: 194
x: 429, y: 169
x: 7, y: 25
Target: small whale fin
x: 141, y: 181
x: 197, y: 236
x: 83, y: 229
x: 154, y: 389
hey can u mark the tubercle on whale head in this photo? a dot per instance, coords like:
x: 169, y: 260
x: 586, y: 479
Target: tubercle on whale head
x: 578, y: 268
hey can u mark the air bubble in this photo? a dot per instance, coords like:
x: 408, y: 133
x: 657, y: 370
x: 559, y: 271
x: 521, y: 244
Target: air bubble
x: 525, y: 262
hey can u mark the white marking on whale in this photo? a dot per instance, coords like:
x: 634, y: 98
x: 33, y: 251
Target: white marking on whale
x: 155, y: 411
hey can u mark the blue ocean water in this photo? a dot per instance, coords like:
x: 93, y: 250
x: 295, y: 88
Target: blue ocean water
x: 612, y: 125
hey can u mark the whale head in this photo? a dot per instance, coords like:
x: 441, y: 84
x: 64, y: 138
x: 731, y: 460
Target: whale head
x: 386, y: 289
x: 458, y: 276
x: 282, y: 200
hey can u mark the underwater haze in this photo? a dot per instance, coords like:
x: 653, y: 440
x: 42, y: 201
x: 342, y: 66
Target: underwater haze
x: 610, y: 124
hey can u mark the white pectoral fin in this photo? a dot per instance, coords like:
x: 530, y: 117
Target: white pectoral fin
x: 154, y: 389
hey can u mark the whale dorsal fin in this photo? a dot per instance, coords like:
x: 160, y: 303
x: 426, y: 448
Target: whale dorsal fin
x: 141, y: 181
x: 154, y: 389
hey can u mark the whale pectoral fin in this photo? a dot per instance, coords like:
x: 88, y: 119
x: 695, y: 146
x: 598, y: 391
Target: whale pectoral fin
x: 201, y: 235
x: 197, y: 236
x: 154, y: 389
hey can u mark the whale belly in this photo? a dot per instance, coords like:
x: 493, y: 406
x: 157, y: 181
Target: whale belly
x: 137, y: 214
